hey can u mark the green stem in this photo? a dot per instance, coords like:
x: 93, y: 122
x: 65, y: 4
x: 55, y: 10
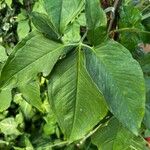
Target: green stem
x: 130, y: 30
x: 88, y: 135
x: 146, y: 8
x: 84, y: 36
x: 59, y: 144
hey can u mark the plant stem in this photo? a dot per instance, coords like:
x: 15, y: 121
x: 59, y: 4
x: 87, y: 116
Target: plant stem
x: 113, y: 15
x: 129, y: 30
x: 146, y: 8
x: 59, y: 144
x: 88, y: 135
x: 84, y: 36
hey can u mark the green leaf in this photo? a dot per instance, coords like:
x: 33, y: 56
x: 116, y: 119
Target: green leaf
x: 38, y: 7
x: 31, y: 92
x: 8, y: 2
x: 5, y: 99
x: 72, y: 34
x: 3, y: 55
x: 95, y: 16
x: 62, y: 12
x: 23, y: 29
x: 96, y: 21
x: 121, y: 81
x: 30, y: 57
x: 43, y: 24
x: 50, y: 125
x: 145, y: 63
x: 74, y: 98
x: 115, y: 137
x: 147, y: 108
x: 130, y: 17
x: 25, y: 107
x: 8, y: 126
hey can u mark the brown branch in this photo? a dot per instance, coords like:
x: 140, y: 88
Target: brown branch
x: 113, y: 15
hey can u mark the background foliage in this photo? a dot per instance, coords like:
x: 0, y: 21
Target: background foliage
x: 28, y: 121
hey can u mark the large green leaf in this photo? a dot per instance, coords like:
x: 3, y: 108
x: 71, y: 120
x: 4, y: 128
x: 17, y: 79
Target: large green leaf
x: 38, y: 54
x: 120, y: 79
x: 74, y: 98
x: 96, y: 21
x: 62, y: 12
x: 115, y: 137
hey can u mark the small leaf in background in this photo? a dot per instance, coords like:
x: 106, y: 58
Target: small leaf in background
x: 5, y: 99
x: 131, y: 19
x: 61, y: 13
x: 23, y: 24
x: 72, y: 34
x: 19, y: 119
x: 145, y: 63
x: 115, y: 137
x: 8, y: 2
x: 113, y: 69
x: 82, y: 19
x: 31, y: 92
x: 23, y: 29
x: 8, y: 126
x: 50, y: 125
x: 96, y: 22
x: 39, y: 7
x: 25, y: 144
x: 3, y: 55
x: 43, y: 24
x: 25, y: 107
x: 147, y: 111
x: 74, y: 98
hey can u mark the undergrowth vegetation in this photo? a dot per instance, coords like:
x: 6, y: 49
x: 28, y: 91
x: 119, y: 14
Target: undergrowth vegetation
x: 74, y: 74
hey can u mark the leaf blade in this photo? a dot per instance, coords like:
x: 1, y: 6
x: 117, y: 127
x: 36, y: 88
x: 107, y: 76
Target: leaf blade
x: 32, y: 54
x: 73, y: 103
x: 113, y: 69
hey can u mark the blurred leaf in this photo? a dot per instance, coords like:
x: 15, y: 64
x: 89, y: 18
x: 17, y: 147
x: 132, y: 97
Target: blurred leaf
x: 38, y: 7
x: 145, y: 63
x: 131, y: 17
x: 23, y: 29
x: 43, y: 24
x: 31, y: 92
x: 25, y: 107
x: 5, y: 99
x: 8, y: 2
x: 147, y: 111
x: 3, y: 55
x: 115, y: 137
x: 96, y: 22
x: 61, y: 13
x: 50, y: 125
x: 72, y: 34
x: 82, y: 19
x: 8, y: 126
